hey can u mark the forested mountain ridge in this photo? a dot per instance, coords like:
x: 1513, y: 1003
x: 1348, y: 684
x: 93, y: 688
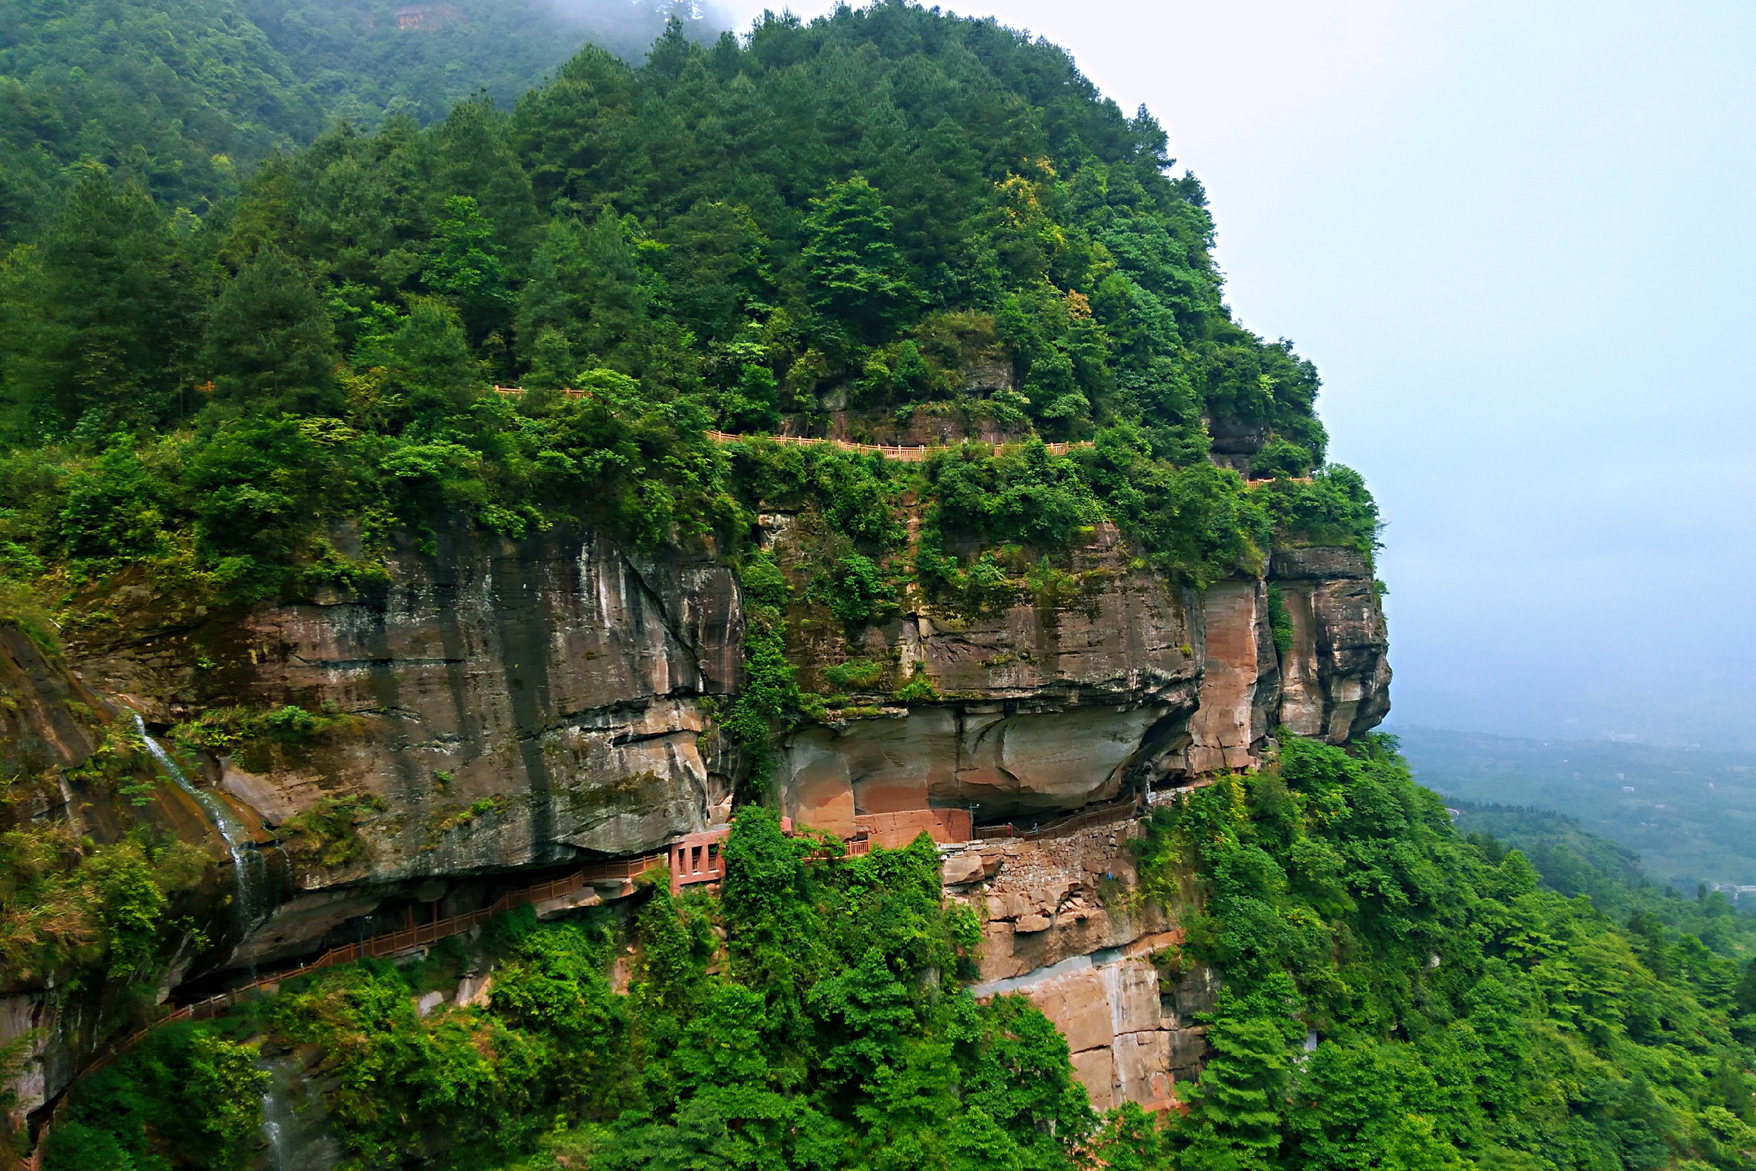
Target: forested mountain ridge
x: 187, y: 98
x: 315, y: 636
x: 886, y: 212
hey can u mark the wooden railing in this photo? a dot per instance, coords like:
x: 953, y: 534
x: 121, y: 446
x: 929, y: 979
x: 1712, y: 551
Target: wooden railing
x: 387, y: 944
x: 695, y: 858
x: 912, y: 455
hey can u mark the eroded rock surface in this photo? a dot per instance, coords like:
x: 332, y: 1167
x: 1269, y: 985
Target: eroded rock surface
x: 1335, y: 682
x: 513, y: 705
x: 1047, y: 703
x: 1065, y: 926
x: 510, y: 704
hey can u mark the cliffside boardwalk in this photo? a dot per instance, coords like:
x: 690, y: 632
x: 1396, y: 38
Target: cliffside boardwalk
x: 914, y: 455
x: 688, y: 860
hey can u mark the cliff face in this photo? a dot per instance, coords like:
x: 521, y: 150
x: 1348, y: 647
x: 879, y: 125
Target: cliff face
x: 508, y: 705
x: 65, y: 768
x: 1335, y: 680
x: 1048, y: 703
x: 503, y: 706
x: 519, y: 704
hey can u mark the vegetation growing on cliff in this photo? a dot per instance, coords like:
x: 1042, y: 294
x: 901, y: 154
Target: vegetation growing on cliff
x: 882, y: 216
x: 75, y: 910
x: 809, y: 1016
x: 1464, y: 1016
x: 189, y: 1096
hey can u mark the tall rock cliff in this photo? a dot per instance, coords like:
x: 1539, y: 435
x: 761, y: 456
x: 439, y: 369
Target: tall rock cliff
x: 508, y: 706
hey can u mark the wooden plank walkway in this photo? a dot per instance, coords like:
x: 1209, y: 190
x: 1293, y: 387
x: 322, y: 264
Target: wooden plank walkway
x: 912, y: 455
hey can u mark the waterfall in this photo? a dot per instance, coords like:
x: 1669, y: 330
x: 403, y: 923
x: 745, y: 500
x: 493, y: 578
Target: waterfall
x: 248, y: 865
x: 277, y: 1119
x: 295, y: 1122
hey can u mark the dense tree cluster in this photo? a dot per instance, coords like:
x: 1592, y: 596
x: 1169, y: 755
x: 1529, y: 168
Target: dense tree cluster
x: 186, y: 98
x: 1400, y: 997
x: 858, y: 213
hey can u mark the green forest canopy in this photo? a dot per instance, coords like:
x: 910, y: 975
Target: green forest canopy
x: 865, y: 207
x: 186, y: 98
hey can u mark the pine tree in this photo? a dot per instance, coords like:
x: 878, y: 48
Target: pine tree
x: 99, y: 325
x: 269, y: 342
x: 855, y: 272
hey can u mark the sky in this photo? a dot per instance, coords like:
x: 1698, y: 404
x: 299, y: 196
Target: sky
x: 1518, y: 240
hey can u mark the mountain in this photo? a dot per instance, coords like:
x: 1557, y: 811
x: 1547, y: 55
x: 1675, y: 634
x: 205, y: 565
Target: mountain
x: 754, y: 608
x: 187, y: 98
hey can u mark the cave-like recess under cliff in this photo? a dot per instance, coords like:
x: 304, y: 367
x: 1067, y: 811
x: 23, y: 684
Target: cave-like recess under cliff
x: 509, y: 710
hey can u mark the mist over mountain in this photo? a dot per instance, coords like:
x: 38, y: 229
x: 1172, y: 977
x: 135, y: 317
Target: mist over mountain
x: 628, y: 28
x: 186, y: 99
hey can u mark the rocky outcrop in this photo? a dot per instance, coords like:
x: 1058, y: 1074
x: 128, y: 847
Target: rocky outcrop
x: 1234, y: 442
x: 1240, y: 674
x: 65, y: 753
x: 509, y: 704
x: 503, y: 705
x: 1335, y: 680
x: 1046, y: 703
x: 1064, y: 925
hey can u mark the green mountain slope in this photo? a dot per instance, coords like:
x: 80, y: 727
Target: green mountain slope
x: 184, y: 98
x: 1573, y: 861
x: 885, y: 214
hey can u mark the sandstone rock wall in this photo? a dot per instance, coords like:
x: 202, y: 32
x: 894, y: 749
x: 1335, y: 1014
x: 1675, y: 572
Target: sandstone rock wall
x: 1332, y: 684
x: 512, y: 704
x: 51, y: 724
x: 1335, y: 683
x: 1047, y: 703
x: 530, y: 703
x: 1063, y: 925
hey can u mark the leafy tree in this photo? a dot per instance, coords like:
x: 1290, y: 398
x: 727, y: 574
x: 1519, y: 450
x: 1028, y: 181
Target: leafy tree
x: 466, y: 268
x: 98, y: 319
x: 854, y: 268
x: 753, y: 404
x: 269, y: 343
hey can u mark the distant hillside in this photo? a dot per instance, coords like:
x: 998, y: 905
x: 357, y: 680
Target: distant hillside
x: 184, y: 97
x: 1690, y: 815
x: 1574, y: 861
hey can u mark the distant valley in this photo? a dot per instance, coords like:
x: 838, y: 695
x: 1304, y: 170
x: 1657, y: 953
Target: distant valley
x: 1689, y: 814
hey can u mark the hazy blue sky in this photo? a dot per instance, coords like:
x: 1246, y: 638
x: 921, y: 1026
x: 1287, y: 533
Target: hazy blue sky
x: 1518, y: 241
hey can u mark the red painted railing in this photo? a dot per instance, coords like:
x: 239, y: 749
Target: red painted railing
x: 699, y: 858
x: 694, y: 858
x: 388, y: 944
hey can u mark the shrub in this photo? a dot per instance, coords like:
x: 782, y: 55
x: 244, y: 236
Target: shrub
x: 856, y: 674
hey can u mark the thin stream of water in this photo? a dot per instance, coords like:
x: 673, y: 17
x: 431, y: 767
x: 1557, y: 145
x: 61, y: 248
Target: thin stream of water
x: 246, y: 863
x: 295, y: 1127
